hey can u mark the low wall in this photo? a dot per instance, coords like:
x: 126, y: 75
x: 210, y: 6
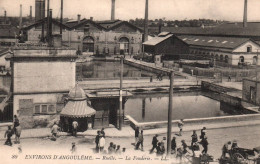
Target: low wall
x: 197, y: 121
x: 208, y: 86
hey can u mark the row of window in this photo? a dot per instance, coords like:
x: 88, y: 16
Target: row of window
x: 44, y: 109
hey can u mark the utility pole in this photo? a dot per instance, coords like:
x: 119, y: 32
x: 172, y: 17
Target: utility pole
x: 120, y: 94
x: 169, y: 131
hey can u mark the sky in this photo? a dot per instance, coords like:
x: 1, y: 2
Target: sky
x: 231, y: 10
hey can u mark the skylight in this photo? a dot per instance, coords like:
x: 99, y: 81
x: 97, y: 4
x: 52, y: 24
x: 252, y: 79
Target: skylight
x: 210, y: 41
x: 196, y: 40
x: 224, y: 42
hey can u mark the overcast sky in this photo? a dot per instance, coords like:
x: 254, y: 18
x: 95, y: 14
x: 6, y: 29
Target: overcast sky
x: 231, y: 10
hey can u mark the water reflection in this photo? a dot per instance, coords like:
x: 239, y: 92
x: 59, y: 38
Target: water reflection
x: 189, y: 105
x: 102, y: 69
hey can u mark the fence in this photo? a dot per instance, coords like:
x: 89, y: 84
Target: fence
x: 210, y: 72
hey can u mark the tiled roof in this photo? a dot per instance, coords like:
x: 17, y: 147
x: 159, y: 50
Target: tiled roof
x: 156, y: 40
x: 216, y: 42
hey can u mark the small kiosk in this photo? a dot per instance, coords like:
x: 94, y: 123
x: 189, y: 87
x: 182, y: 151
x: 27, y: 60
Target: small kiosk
x: 77, y: 109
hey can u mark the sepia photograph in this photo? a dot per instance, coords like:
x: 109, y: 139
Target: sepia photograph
x: 130, y: 81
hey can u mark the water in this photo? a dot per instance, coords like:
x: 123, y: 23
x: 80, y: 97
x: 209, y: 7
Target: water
x: 185, y: 105
x: 108, y: 70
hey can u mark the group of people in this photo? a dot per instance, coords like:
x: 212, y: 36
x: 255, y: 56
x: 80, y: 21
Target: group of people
x: 228, y: 148
x: 158, y: 145
x: 16, y: 130
x: 101, y: 142
x: 55, y: 129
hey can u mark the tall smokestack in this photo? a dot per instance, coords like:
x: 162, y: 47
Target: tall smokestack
x: 21, y: 18
x: 113, y: 10
x: 78, y: 18
x: 30, y: 12
x: 61, y: 15
x: 5, y: 17
x: 245, y: 14
x: 160, y: 26
x: 39, y: 9
x: 146, y: 22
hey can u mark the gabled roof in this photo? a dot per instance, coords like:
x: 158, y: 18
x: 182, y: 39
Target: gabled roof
x: 114, y: 26
x: 108, y: 23
x: 156, y: 40
x: 73, y: 23
x: 214, y: 42
x: 85, y: 21
x: 44, y: 20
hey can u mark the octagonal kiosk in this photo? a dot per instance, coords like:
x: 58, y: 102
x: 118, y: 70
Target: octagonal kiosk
x: 77, y: 109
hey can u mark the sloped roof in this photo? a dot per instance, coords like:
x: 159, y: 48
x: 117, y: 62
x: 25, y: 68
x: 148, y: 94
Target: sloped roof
x: 8, y: 31
x: 77, y: 109
x: 44, y: 20
x: 77, y: 93
x: 216, y: 42
x: 156, y: 40
x: 73, y: 23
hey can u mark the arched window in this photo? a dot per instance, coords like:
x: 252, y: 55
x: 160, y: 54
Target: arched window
x: 124, y: 45
x: 226, y: 59
x: 241, y: 59
x: 221, y: 57
x: 254, y: 60
x: 88, y: 44
x: 216, y: 57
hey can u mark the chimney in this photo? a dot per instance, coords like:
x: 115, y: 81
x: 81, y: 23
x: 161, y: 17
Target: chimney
x: 5, y: 17
x: 50, y: 29
x: 113, y: 10
x: 245, y: 14
x: 91, y: 18
x: 78, y: 18
x: 61, y: 15
x: 39, y: 9
x: 30, y: 12
x: 160, y: 26
x: 146, y: 22
x: 21, y: 18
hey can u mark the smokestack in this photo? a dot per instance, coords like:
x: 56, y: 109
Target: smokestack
x: 245, y: 14
x: 61, y: 15
x: 160, y: 26
x: 39, y: 9
x: 113, y: 10
x: 78, y: 18
x: 91, y: 18
x: 21, y: 18
x: 5, y: 17
x: 146, y: 22
x: 49, y: 32
x: 30, y: 12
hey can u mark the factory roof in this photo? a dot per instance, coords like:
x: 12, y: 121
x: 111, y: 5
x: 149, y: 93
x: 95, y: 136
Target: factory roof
x: 156, y: 40
x: 215, y: 42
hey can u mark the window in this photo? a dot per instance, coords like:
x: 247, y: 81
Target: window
x: 44, y: 109
x: 86, y: 29
x: 249, y: 49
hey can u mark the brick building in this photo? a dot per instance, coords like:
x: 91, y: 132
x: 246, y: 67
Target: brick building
x: 223, y: 51
x: 41, y: 76
x: 251, y: 90
x: 93, y: 37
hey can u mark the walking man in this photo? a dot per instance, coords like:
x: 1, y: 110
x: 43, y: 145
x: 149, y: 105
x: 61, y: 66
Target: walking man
x: 225, y: 149
x: 74, y: 128
x: 140, y: 141
x: 203, y: 133
x: 18, y: 134
x: 103, y: 132
x: 154, y: 143
x: 180, y: 125
x: 173, y: 145
x: 16, y: 123
x: 194, y: 138
x: 136, y: 135
x: 205, y: 145
x: 8, y: 134
x: 97, y: 141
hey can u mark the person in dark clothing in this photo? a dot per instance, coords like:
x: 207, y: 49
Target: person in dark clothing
x: 204, y: 143
x: 225, y: 149
x: 154, y: 143
x: 203, y: 133
x: 158, y: 149
x: 16, y: 123
x: 136, y: 134
x: 194, y: 138
x: 173, y: 145
x: 8, y: 134
x: 184, y: 147
x: 97, y: 141
x: 103, y: 132
x: 140, y: 141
